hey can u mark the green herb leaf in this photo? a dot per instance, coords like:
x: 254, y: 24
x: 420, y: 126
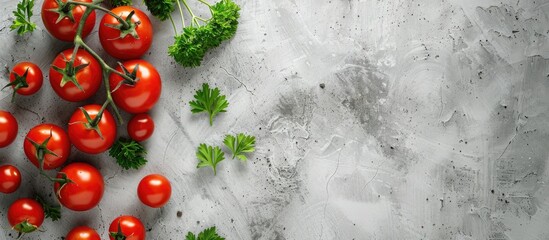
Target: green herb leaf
x: 206, y: 234
x: 51, y: 211
x: 210, y: 101
x: 240, y: 144
x: 209, y: 156
x: 22, y: 21
x: 128, y: 153
x: 118, y: 3
x: 161, y: 9
x: 224, y: 20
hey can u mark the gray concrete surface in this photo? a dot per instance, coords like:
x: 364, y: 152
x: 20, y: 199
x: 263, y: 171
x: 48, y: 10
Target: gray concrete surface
x: 432, y: 124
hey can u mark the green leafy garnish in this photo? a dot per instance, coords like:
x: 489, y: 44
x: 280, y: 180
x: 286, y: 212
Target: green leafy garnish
x: 128, y: 153
x: 161, y: 9
x: 118, y: 3
x: 201, y: 35
x: 209, y: 156
x: 23, y: 14
x: 210, y: 101
x: 206, y: 234
x: 240, y: 144
x: 51, y: 211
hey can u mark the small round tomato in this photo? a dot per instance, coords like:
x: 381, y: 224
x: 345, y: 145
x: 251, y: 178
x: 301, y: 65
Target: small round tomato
x: 154, y: 190
x: 141, y: 127
x: 8, y: 128
x: 76, y: 82
x: 64, y: 28
x: 26, y: 78
x: 138, y: 96
x: 10, y: 179
x: 126, y: 43
x: 87, y: 139
x: 57, y: 142
x: 85, y: 189
x: 25, y: 215
x: 130, y: 228
x: 83, y: 233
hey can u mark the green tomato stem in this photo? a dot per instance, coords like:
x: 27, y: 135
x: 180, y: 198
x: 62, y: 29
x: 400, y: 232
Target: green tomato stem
x: 95, y: 5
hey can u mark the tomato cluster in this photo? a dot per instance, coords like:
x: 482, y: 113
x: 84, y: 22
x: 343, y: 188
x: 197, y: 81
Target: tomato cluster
x: 76, y: 74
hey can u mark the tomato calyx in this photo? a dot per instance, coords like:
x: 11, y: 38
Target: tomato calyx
x: 118, y: 235
x: 69, y: 72
x: 63, y: 181
x: 42, y: 150
x: 24, y: 227
x: 93, y: 124
x: 18, y: 83
x: 126, y: 27
x: 132, y: 76
x: 64, y: 10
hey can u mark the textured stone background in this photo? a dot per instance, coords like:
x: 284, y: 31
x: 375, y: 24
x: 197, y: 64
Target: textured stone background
x: 432, y: 124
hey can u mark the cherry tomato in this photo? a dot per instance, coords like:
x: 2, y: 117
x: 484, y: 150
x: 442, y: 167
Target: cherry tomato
x: 8, y: 128
x: 83, y: 233
x: 65, y: 30
x: 154, y: 190
x: 26, y: 78
x: 10, y: 179
x: 139, y: 96
x: 88, y: 140
x: 85, y: 189
x: 25, y: 215
x: 141, y: 127
x: 128, y: 43
x: 89, y: 77
x: 58, y: 143
x: 130, y: 226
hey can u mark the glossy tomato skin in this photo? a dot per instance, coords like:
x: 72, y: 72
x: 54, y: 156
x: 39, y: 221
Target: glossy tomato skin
x: 141, y: 127
x: 82, y: 233
x: 89, y: 77
x: 141, y: 96
x: 88, y: 140
x: 8, y: 128
x: 86, y: 189
x: 154, y: 190
x: 34, y: 79
x: 127, y: 47
x: 131, y: 227
x: 65, y: 30
x: 59, y: 144
x: 26, y: 209
x: 10, y: 179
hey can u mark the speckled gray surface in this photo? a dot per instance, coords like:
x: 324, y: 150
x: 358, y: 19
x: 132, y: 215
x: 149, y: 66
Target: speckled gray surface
x: 432, y: 124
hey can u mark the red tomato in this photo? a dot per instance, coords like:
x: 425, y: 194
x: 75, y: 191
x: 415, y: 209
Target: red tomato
x: 154, y: 190
x: 84, y: 191
x: 130, y: 226
x: 89, y: 78
x: 141, y: 127
x: 10, y: 179
x: 58, y: 144
x: 87, y: 139
x: 25, y: 215
x: 26, y: 84
x: 140, y: 96
x: 123, y: 43
x: 8, y: 128
x: 83, y: 233
x: 65, y: 30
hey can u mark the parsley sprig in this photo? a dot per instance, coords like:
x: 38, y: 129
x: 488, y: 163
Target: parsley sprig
x: 22, y: 21
x: 209, y: 156
x: 240, y: 144
x: 210, y: 101
x: 128, y: 153
x: 118, y: 3
x: 51, y: 211
x: 206, y: 234
x: 161, y: 9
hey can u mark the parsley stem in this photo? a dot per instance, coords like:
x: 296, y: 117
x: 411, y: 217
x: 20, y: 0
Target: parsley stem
x: 181, y: 13
x: 193, y: 17
x: 173, y: 24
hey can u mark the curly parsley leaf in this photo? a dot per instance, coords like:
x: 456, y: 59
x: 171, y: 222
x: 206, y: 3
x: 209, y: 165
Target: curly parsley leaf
x: 22, y: 21
x: 161, y: 9
x: 206, y: 234
x: 210, y: 101
x: 118, y: 3
x: 240, y: 144
x: 51, y: 211
x: 209, y: 156
x: 128, y: 153
x: 224, y: 21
